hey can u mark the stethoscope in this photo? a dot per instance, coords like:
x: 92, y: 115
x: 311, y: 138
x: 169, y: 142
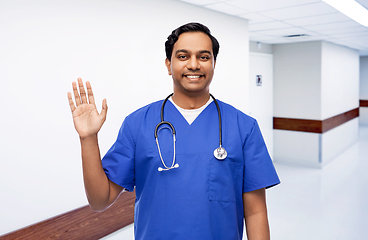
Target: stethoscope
x: 219, y: 153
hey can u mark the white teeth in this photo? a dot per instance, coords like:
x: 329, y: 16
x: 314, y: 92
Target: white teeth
x: 193, y: 76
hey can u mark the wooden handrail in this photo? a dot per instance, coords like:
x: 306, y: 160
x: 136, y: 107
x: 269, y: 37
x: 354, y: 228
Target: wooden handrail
x: 363, y: 103
x: 81, y: 223
x: 314, y: 126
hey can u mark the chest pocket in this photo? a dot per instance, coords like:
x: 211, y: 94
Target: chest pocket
x: 225, y: 181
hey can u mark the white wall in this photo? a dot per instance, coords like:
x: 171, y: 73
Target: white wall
x: 116, y: 45
x: 297, y: 80
x: 297, y: 94
x: 260, y: 47
x: 363, y: 114
x: 314, y: 80
x: 340, y: 93
x: 364, y: 77
x: 340, y: 79
x: 297, y: 148
x: 337, y: 140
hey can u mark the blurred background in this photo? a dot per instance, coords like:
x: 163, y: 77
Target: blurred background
x: 302, y: 63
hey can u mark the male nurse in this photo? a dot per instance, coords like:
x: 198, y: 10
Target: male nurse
x: 202, y: 197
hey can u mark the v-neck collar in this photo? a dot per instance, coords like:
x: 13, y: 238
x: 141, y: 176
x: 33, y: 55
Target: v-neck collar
x: 172, y: 114
x: 191, y: 114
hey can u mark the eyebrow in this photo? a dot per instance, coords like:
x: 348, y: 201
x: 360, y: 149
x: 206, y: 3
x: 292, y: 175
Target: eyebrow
x: 181, y: 51
x: 186, y: 51
x: 205, y: 51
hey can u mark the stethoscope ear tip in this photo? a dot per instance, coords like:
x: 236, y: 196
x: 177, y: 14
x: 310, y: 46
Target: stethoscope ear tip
x: 160, y: 169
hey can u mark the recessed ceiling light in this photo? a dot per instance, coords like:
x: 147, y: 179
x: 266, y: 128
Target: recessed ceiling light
x: 296, y: 36
x: 352, y: 9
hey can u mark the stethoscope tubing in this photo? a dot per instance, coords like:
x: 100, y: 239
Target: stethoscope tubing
x: 172, y: 126
x: 219, y: 118
x: 220, y: 153
x: 162, y: 118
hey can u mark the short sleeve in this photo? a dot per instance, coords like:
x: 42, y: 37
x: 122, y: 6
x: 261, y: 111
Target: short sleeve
x: 259, y: 171
x: 118, y: 163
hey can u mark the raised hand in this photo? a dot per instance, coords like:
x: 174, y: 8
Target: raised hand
x: 87, y: 120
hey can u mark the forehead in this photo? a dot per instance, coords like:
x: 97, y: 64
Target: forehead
x: 193, y: 41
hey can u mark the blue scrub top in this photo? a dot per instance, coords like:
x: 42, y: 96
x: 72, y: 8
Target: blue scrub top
x: 202, y: 199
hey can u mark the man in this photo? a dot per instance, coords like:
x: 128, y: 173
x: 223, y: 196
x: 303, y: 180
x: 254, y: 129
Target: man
x: 183, y: 190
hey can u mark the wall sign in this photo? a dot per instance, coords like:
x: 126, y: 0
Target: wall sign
x: 259, y: 80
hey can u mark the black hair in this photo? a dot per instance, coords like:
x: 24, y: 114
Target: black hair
x: 190, y: 27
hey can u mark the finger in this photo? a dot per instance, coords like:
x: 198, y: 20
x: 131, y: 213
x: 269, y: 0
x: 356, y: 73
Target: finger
x: 91, y: 98
x: 82, y: 91
x: 104, y: 110
x: 71, y: 103
x: 76, y: 94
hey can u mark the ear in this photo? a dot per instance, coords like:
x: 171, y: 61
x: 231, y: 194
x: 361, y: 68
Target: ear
x: 168, y: 65
x: 214, y: 64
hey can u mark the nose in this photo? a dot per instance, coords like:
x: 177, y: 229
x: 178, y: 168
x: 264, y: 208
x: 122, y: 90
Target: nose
x: 193, y: 64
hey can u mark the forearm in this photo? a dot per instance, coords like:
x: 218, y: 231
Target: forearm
x: 255, y: 214
x: 257, y: 226
x: 96, y: 182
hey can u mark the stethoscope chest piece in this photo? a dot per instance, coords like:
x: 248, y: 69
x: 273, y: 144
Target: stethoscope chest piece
x: 220, y: 153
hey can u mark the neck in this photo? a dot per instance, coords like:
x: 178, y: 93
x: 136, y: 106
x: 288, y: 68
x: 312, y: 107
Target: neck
x: 190, y: 101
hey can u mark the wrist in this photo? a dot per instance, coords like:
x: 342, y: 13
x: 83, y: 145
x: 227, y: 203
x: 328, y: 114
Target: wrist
x: 92, y: 137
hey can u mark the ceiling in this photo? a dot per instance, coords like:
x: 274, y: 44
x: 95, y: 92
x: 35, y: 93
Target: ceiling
x: 270, y: 21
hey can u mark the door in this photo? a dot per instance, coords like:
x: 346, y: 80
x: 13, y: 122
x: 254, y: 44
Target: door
x: 261, y: 94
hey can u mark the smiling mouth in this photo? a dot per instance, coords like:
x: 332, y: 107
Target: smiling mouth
x: 193, y: 76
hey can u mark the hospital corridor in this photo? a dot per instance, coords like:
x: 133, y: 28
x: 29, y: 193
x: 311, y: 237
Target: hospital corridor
x: 290, y: 75
x: 328, y: 203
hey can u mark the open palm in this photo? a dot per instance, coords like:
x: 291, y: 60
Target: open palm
x: 87, y: 120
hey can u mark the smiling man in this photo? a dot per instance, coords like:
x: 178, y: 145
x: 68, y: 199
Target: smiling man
x: 192, y: 66
x: 199, y: 166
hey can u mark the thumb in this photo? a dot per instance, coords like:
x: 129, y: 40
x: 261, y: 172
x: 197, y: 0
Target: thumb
x: 104, y: 109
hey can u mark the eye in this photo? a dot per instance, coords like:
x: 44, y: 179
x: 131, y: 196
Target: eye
x: 204, y: 57
x: 181, y: 57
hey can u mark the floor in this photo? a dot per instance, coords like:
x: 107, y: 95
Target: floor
x: 323, y: 204
x: 317, y: 204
